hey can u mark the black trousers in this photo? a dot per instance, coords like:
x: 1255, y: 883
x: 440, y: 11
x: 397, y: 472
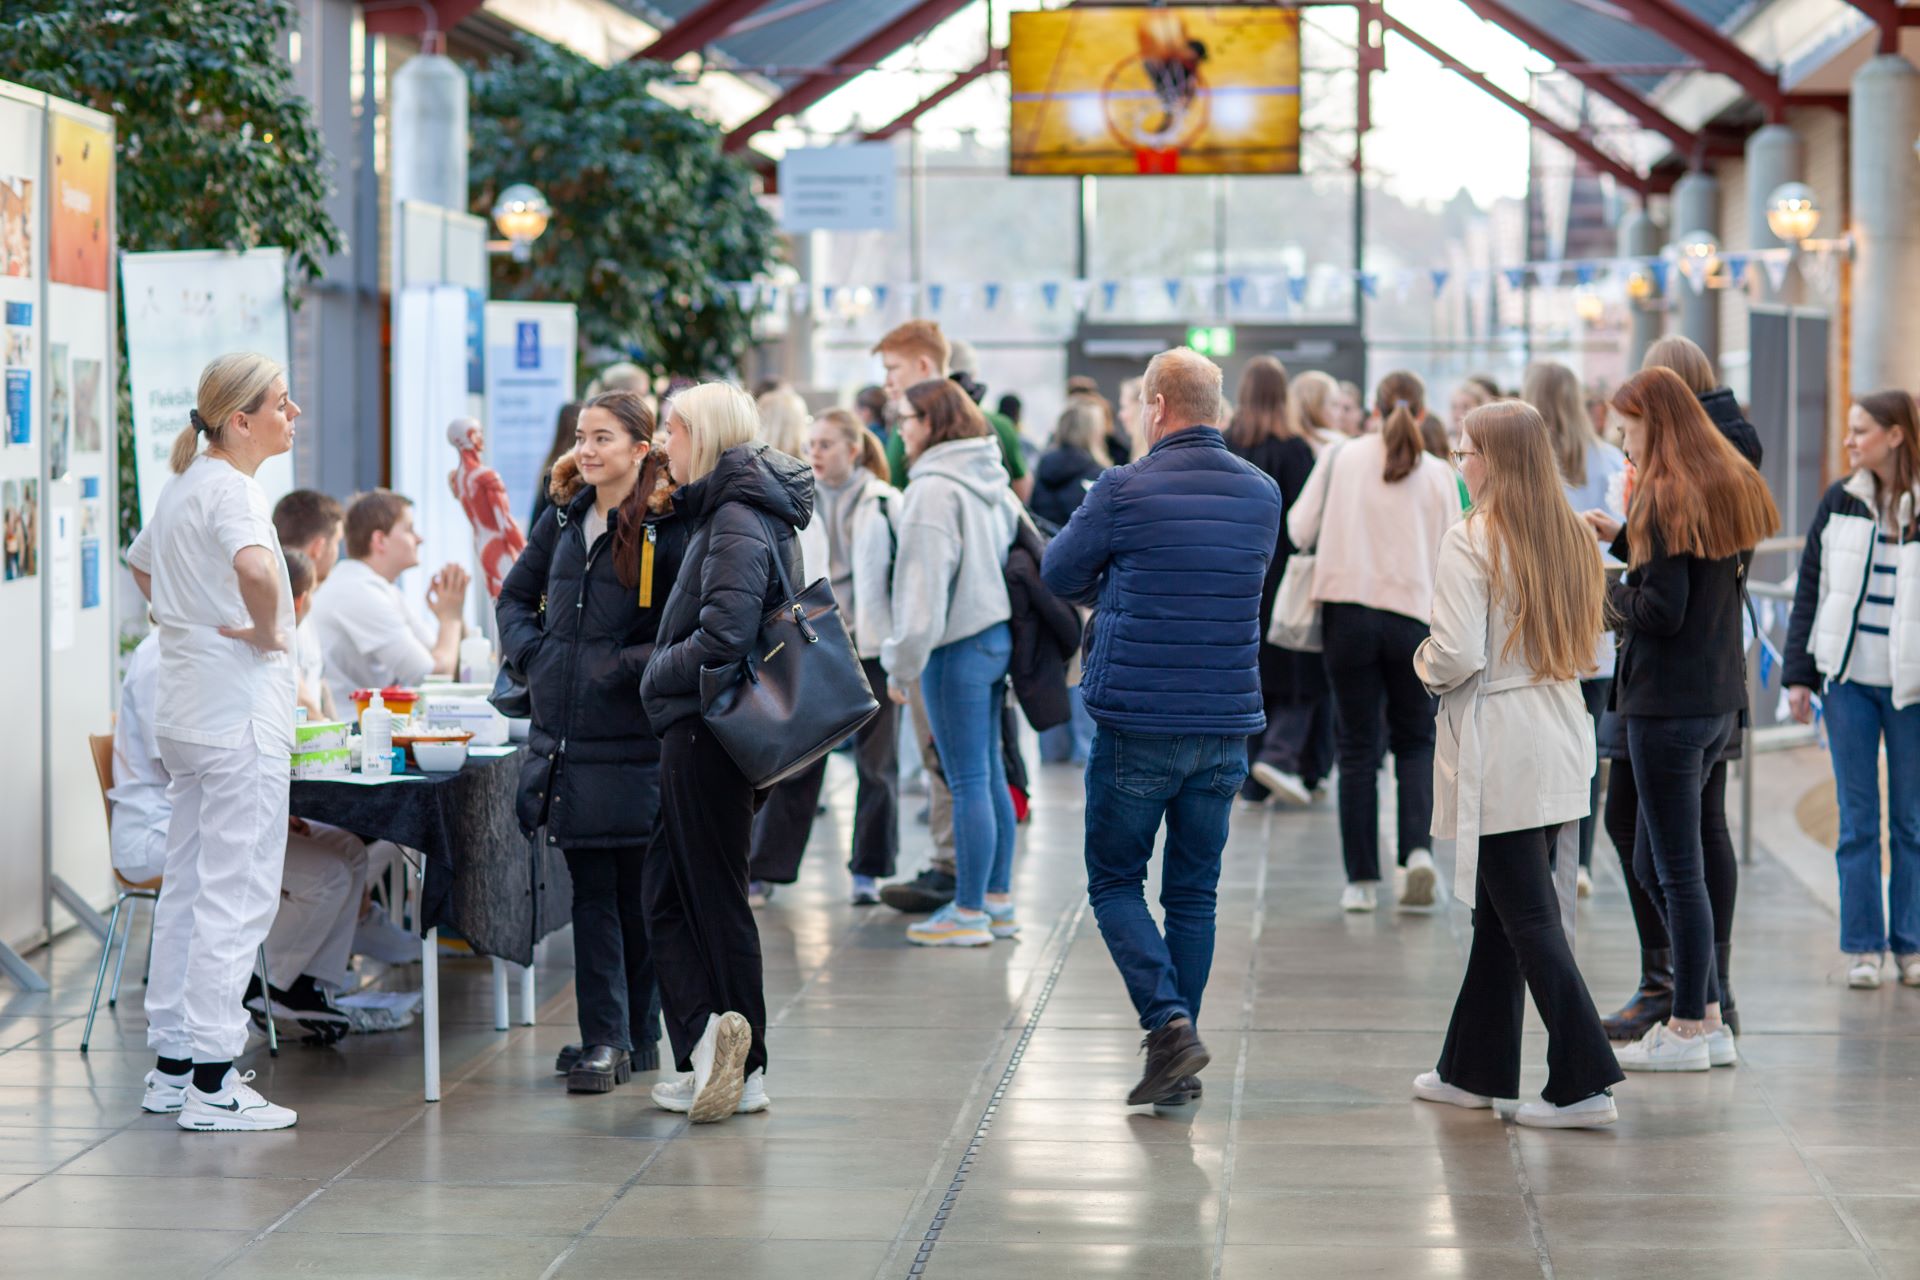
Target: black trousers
x: 1594, y: 694
x: 1673, y: 759
x: 1369, y: 659
x: 1636, y: 859
x: 785, y: 820
x: 1299, y: 733
x: 612, y: 963
x: 1519, y: 946
x: 706, y: 947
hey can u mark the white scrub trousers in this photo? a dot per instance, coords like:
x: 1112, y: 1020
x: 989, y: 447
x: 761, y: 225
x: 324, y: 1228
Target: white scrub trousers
x: 320, y: 890
x: 226, y: 845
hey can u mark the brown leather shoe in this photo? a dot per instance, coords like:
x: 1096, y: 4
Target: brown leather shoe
x: 1173, y: 1051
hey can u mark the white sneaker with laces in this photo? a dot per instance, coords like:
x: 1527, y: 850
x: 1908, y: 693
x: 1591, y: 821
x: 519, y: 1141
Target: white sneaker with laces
x: 1417, y: 889
x: 1588, y: 1113
x: 1909, y: 967
x: 1429, y: 1087
x: 165, y: 1094
x: 677, y: 1095
x: 236, y: 1108
x: 1357, y: 897
x: 1664, y: 1049
x: 1863, y: 971
x: 1282, y: 785
x: 1583, y: 884
x: 1721, y: 1051
x: 379, y: 938
x: 718, y: 1058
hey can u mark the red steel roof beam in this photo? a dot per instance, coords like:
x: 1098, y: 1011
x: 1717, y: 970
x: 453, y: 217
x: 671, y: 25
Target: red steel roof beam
x: 1576, y: 142
x: 914, y: 22
x: 1887, y: 16
x: 1688, y: 32
x: 698, y: 29
x: 907, y: 119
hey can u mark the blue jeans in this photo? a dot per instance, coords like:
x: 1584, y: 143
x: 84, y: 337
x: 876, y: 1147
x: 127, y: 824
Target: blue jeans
x: 1072, y: 741
x: 1673, y: 759
x: 963, y: 687
x: 1858, y: 716
x: 1134, y: 781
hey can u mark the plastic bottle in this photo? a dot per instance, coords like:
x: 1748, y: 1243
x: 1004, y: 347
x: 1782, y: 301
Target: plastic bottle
x: 376, y: 739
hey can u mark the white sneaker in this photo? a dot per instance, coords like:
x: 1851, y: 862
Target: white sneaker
x: 1417, y: 889
x: 1357, y: 897
x: 1863, y: 974
x: 381, y: 939
x: 236, y: 1108
x: 718, y: 1079
x: 1909, y: 967
x: 1429, y: 1087
x: 677, y: 1095
x: 1664, y: 1049
x: 1720, y: 1048
x: 1583, y: 884
x: 1282, y: 786
x: 165, y: 1094
x: 1588, y: 1113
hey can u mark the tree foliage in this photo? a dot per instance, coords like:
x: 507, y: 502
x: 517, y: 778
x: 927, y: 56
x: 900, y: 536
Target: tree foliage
x: 649, y: 215
x: 213, y: 148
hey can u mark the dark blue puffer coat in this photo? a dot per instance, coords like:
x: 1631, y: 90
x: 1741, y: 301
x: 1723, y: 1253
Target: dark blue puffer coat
x: 1172, y: 550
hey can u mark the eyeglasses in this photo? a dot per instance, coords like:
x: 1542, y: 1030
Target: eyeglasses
x: 1459, y: 454
x: 910, y: 417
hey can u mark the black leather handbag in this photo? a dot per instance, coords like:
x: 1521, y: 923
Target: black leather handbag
x: 797, y: 694
x: 510, y: 696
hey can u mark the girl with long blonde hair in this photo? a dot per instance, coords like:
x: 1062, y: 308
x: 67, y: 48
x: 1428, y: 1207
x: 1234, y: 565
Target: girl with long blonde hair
x: 1517, y: 608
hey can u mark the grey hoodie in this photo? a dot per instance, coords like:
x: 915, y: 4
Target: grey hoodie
x: 955, y: 527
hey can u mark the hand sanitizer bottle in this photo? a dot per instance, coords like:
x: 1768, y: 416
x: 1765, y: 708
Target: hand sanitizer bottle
x: 376, y: 739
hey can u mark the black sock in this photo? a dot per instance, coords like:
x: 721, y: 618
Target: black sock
x: 173, y: 1066
x: 209, y: 1076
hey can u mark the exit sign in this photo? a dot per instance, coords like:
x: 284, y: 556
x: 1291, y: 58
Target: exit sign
x: 1211, y: 340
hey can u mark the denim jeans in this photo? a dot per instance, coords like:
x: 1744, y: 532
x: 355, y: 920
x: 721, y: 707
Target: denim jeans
x: 1134, y: 782
x: 1858, y: 717
x: 1072, y: 741
x: 964, y: 687
x: 1673, y: 759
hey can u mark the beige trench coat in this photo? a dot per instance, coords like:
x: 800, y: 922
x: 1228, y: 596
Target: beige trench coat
x: 1510, y: 752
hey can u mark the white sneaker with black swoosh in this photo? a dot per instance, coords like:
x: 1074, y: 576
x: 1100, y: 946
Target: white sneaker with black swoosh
x: 236, y: 1108
x: 165, y: 1094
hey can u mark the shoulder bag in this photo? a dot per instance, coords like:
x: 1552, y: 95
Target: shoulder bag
x: 799, y: 691
x: 1296, y: 615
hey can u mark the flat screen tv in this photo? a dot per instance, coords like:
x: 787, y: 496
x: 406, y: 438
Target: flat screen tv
x: 1137, y: 90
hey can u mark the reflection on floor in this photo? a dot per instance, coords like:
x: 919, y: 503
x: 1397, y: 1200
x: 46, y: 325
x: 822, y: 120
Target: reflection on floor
x: 886, y: 1148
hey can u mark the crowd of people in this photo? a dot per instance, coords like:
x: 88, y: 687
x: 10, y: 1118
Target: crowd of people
x: 1499, y: 602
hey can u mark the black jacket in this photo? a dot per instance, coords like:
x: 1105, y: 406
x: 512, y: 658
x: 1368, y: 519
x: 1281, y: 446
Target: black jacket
x: 1045, y: 631
x: 1288, y: 463
x: 1060, y: 483
x: 582, y: 640
x: 726, y: 582
x: 1681, y: 648
x: 1725, y: 412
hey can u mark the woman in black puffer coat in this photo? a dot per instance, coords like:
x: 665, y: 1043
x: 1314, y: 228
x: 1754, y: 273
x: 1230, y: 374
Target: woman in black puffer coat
x: 578, y: 614
x: 744, y: 503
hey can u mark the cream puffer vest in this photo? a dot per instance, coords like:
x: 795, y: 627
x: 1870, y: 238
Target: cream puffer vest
x: 1834, y: 572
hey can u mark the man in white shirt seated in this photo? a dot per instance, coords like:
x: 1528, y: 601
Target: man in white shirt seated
x: 369, y: 638
x: 311, y: 942
x: 309, y: 524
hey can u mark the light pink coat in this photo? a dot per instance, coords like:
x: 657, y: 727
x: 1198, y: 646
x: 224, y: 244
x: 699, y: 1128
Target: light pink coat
x: 1378, y: 544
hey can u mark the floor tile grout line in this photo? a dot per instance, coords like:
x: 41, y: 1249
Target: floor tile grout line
x: 1819, y: 1178
x: 1055, y: 935
x: 1248, y: 998
x: 620, y: 1194
x: 420, y: 1111
x: 1069, y: 934
x: 1523, y: 1183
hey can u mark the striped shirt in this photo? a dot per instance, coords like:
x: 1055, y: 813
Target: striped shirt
x: 1872, y: 652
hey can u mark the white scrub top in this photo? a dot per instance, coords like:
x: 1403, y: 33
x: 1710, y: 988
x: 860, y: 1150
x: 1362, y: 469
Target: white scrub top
x: 214, y: 691
x: 369, y: 638
x: 139, y: 795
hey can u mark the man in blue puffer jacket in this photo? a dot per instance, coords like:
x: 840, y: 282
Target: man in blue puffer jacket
x: 1171, y: 550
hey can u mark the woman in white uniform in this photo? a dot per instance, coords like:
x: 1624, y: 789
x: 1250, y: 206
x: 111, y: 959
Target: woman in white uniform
x: 209, y: 563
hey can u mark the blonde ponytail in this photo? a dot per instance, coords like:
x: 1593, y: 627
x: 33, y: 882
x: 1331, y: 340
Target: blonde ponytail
x: 235, y: 383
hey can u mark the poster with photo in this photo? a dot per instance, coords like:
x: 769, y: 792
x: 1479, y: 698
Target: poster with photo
x: 20, y: 519
x: 59, y: 412
x: 16, y: 226
x: 77, y: 242
x: 19, y: 408
x: 87, y: 386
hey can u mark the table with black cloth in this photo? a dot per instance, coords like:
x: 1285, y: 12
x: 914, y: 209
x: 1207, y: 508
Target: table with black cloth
x: 481, y: 875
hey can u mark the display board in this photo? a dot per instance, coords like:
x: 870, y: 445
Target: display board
x: 58, y: 504
x: 531, y: 348
x: 183, y: 309
x: 1138, y: 89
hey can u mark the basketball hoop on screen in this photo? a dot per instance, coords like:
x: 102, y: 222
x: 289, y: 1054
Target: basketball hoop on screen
x: 1151, y: 160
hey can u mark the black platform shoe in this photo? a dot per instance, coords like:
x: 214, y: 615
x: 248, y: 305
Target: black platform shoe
x: 1652, y: 1003
x: 599, y: 1069
x: 646, y: 1057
